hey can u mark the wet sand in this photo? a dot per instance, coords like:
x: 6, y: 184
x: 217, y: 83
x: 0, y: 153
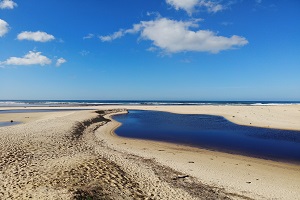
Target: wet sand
x: 74, y: 154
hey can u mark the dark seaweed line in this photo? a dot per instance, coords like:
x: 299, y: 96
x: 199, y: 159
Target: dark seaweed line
x: 80, y: 127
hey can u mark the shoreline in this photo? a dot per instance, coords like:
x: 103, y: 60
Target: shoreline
x: 20, y: 118
x: 152, y: 164
x: 195, y: 148
x: 233, y: 172
x: 189, y: 145
x: 186, y: 146
x: 285, y: 117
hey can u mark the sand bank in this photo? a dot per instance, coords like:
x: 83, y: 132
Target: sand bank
x: 271, y: 116
x: 56, y: 156
x: 268, y: 116
x: 255, y: 178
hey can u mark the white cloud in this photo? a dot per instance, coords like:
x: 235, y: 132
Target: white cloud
x: 136, y: 28
x: 114, y: 36
x: 4, y: 27
x: 191, y: 5
x: 60, y: 61
x: 37, y: 36
x: 176, y: 36
x: 88, y: 36
x: 7, y: 4
x: 187, y: 5
x: 156, y: 14
x: 211, y: 6
x: 31, y: 58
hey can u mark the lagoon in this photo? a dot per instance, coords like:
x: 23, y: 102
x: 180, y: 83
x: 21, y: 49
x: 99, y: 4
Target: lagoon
x: 211, y: 132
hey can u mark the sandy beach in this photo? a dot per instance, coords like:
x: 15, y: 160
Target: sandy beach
x: 76, y: 154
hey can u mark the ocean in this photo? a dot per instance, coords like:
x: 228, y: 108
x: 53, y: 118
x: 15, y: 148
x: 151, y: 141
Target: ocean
x: 32, y: 103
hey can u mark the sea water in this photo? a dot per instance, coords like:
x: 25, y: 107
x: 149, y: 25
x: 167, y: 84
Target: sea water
x: 211, y: 132
x: 34, y: 103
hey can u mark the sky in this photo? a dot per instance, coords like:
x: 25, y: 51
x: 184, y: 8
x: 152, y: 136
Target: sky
x: 150, y: 50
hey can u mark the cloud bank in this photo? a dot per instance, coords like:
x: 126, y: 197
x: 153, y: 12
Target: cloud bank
x: 31, y: 58
x: 173, y: 36
x: 4, y: 27
x: 37, y: 36
x: 7, y: 4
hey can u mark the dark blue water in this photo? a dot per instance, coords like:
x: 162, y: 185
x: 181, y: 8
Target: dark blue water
x: 211, y: 132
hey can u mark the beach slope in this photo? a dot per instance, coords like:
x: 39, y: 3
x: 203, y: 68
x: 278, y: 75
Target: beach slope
x: 75, y: 154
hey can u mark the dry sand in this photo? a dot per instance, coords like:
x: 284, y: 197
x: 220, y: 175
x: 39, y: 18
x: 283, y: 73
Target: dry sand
x: 64, y: 155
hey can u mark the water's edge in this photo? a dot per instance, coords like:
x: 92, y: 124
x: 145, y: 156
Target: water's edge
x: 264, y: 141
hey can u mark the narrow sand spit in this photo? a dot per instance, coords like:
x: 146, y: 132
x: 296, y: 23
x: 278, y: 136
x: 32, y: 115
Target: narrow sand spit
x: 76, y: 155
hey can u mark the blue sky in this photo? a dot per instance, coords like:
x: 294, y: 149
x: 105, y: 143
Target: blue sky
x: 150, y: 50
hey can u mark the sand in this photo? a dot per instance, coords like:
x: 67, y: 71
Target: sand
x: 65, y: 155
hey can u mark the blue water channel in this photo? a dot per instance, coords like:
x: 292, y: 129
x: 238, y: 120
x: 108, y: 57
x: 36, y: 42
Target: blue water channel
x: 211, y: 132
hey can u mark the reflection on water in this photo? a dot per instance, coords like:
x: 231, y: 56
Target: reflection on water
x: 211, y: 132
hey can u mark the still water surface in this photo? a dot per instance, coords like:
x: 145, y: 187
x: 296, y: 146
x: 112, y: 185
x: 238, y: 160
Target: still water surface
x: 211, y: 132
